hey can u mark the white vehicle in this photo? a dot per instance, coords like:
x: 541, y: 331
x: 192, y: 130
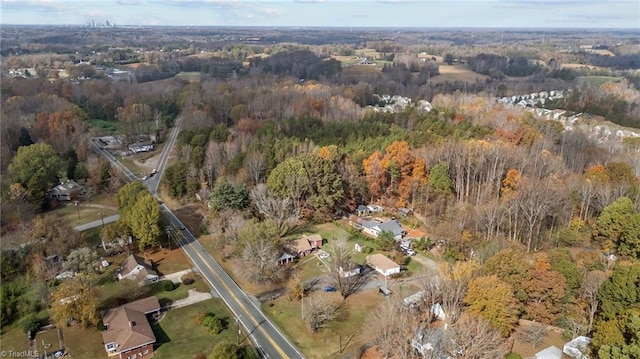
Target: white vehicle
x: 411, y: 252
x: 323, y: 255
x: 144, y: 178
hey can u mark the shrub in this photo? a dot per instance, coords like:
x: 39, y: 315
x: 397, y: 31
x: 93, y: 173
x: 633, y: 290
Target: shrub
x: 187, y: 279
x: 513, y: 356
x: 214, y: 324
x: 30, y: 323
x: 200, y: 317
x: 101, y: 326
x: 367, y: 250
x: 167, y: 285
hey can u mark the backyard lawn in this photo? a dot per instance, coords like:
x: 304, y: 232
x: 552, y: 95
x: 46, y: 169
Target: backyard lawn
x: 181, y: 337
x: 326, y: 343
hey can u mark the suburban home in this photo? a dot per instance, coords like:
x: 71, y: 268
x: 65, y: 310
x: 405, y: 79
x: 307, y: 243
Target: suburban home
x: 374, y: 228
x: 374, y: 208
x: 66, y: 191
x: 356, y: 222
x: 350, y: 269
x: 551, y: 352
x: 577, y: 348
x: 306, y: 244
x: 383, y: 265
x: 404, y: 212
x: 423, y: 340
x: 128, y: 334
x: 137, y: 268
x: 363, y: 210
x: 413, y: 301
x: 285, y: 258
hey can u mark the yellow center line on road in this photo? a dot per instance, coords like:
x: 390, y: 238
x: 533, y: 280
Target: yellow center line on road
x: 252, y: 319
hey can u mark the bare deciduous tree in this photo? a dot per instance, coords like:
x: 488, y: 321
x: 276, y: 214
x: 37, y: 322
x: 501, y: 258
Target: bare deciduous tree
x: 534, y: 334
x: 254, y: 164
x: 340, y: 268
x: 285, y: 212
x: 474, y: 338
x: 319, y: 312
x: 391, y: 325
x: 589, y: 293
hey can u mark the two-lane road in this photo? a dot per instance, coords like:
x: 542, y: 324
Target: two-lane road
x: 270, y: 342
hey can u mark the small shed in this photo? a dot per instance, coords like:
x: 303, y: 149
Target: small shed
x: 384, y: 291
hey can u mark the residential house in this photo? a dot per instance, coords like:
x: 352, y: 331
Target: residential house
x: 128, y: 334
x: 306, y: 244
x: 577, y: 348
x: 356, y: 222
x: 404, y: 212
x: 66, y: 191
x: 374, y: 228
x: 551, y: 352
x: 413, y: 301
x: 363, y: 210
x: 350, y: 269
x: 382, y: 264
x: 426, y: 343
x: 136, y: 268
x: 374, y: 208
x: 285, y: 258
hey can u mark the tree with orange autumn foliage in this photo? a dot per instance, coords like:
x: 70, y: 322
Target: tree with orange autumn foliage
x: 510, y: 184
x: 376, y: 174
x: 62, y: 129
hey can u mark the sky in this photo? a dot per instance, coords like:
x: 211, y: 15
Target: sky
x: 335, y: 13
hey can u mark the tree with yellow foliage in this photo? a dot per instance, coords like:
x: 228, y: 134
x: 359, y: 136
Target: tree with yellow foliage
x: 493, y: 299
x: 76, y: 298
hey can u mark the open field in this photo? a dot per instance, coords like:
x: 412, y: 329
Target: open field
x: 598, y: 80
x: 457, y: 72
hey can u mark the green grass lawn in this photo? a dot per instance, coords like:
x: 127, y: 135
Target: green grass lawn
x: 181, y: 337
x: 83, y: 343
x: 330, y: 231
x: 76, y: 215
x: 325, y: 343
x: 13, y: 338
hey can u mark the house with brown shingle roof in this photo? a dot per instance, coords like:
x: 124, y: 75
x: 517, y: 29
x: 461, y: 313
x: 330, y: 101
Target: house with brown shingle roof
x: 382, y: 264
x: 306, y: 244
x: 137, y: 268
x: 128, y: 333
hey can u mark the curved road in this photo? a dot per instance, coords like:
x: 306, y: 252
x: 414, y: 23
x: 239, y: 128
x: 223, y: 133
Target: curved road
x: 270, y: 342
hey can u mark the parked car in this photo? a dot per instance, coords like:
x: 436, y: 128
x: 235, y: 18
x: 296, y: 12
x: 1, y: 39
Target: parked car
x: 323, y: 255
x: 329, y: 289
x: 410, y: 252
x: 144, y: 178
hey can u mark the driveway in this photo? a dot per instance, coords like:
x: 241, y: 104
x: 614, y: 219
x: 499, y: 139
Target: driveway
x: 175, y: 277
x: 194, y: 297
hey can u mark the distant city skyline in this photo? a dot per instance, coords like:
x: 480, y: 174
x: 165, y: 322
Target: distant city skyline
x: 594, y: 14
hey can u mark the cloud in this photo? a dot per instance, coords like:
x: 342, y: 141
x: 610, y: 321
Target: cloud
x: 131, y: 2
x: 35, y: 5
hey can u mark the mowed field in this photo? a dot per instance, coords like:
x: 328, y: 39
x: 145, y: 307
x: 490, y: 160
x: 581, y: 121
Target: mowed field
x: 457, y: 72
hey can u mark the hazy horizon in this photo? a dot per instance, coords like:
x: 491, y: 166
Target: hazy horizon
x: 408, y: 14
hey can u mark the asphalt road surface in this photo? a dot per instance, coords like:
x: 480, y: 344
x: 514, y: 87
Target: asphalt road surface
x: 270, y: 342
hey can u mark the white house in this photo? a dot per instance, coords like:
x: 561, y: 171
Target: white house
x: 551, y: 352
x: 577, y: 348
x: 374, y: 228
x: 135, y: 267
x: 350, y: 269
x: 383, y: 265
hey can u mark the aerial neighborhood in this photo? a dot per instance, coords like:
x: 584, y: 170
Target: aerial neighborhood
x: 318, y: 192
